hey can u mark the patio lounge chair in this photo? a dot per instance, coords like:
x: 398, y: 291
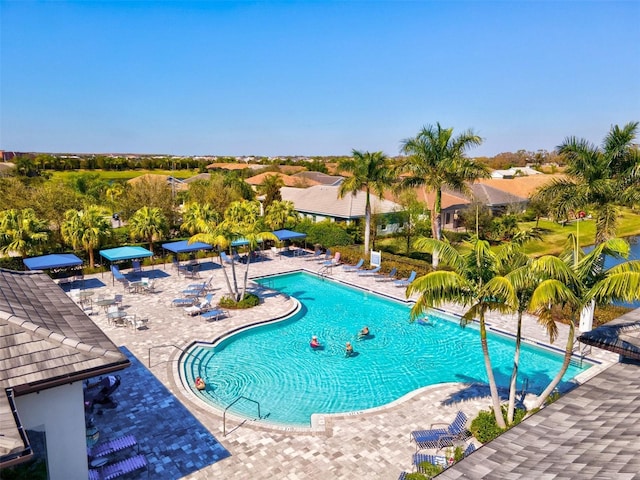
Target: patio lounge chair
x: 368, y: 273
x: 183, y: 302
x: 388, y: 277
x: 118, y: 469
x: 442, y: 437
x: 202, y: 307
x: 136, y: 267
x: 215, y: 314
x: 440, y: 460
x: 112, y: 446
x: 332, y: 262
x: 406, y: 281
x: 354, y: 268
x: 327, y: 256
x: 316, y: 256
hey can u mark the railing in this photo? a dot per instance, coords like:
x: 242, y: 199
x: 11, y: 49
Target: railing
x: 525, y: 387
x: 224, y: 415
x: 325, y: 270
x: 583, y: 351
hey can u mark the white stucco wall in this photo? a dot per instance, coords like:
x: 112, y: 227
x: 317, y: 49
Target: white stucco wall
x: 59, y: 412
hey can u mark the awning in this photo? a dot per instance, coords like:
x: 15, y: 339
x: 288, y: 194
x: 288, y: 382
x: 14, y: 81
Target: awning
x: 184, y: 246
x: 125, y: 253
x: 55, y: 260
x: 241, y: 242
x: 618, y: 336
x: 289, y: 235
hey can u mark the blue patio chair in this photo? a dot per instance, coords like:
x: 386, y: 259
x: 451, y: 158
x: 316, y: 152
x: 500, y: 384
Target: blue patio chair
x: 388, y: 277
x: 327, y: 256
x: 369, y: 273
x: 118, y: 469
x: 440, y: 460
x: 136, y: 267
x: 406, y: 281
x: 183, y: 302
x: 438, y: 438
x: 332, y: 262
x: 354, y: 268
x: 316, y: 256
x: 112, y: 446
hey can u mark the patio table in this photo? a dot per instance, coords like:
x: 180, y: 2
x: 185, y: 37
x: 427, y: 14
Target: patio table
x: 106, y: 303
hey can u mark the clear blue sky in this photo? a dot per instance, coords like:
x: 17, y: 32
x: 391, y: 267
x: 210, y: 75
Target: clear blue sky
x: 312, y: 78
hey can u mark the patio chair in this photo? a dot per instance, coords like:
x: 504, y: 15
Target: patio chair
x: 176, y: 263
x: 327, y: 256
x: 227, y: 259
x: 333, y: 261
x: 183, y: 302
x: 354, y: 268
x: 112, y: 446
x: 316, y: 256
x: 387, y: 277
x: 215, y: 314
x: 119, y: 469
x: 440, y: 460
x: 193, y: 292
x: 202, y: 307
x: 136, y: 267
x: 438, y: 438
x: 369, y: 273
x: 405, y: 282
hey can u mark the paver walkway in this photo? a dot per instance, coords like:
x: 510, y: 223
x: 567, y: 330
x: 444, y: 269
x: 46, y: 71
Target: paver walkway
x: 373, y: 444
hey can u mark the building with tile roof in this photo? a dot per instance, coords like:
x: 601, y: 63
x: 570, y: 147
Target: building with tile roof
x: 321, y: 202
x: 48, y: 347
x: 287, y: 180
x: 321, y: 178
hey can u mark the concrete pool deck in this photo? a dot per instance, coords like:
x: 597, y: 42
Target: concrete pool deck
x: 370, y: 444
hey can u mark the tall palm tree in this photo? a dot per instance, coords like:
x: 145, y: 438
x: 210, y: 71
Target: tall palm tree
x: 371, y: 172
x: 436, y: 160
x: 575, y: 285
x: 86, y: 228
x: 464, y: 284
x: 597, y: 178
x: 148, y: 224
x: 280, y: 214
x: 21, y: 231
x: 241, y: 221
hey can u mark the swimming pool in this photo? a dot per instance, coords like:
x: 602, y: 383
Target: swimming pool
x: 274, y: 365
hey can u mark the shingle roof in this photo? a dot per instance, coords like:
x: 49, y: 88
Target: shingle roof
x: 323, y: 200
x: 492, y: 197
x: 321, y: 178
x: 46, y: 339
x: 591, y: 432
x: 288, y: 180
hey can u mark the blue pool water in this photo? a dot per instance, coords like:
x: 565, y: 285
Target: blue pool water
x: 274, y: 365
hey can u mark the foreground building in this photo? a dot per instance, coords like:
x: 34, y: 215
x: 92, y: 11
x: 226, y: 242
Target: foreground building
x: 48, y: 347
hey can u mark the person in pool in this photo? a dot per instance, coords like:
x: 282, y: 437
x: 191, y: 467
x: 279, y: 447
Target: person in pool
x: 314, y: 343
x: 364, y: 332
x: 348, y: 351
x: 200, y: 385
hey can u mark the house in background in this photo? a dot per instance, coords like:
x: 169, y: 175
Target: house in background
x: 48, y: 347
x: 321, y: 202
x: 287, y: 180
x: 515, y: 172
x: 320, y: 178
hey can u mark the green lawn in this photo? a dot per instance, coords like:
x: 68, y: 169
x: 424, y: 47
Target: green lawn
x: 126, y: 174
x: 554, y: 234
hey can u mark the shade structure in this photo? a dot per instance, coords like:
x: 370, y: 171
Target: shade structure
x: 55, y: 260
x: 184, y: 246
x: 289, y: 235
x: 125, y: 253
x: 619, y: 336
x: 241, y: 242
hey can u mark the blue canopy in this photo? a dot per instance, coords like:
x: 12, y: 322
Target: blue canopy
x: 289, y: 235
x: 125, y: 253
x: 184, y: 246
x: 55, y: 260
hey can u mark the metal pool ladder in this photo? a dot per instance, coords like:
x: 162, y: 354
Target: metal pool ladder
x: 224, y: 415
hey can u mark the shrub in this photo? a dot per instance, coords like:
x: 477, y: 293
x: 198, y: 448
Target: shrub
x: 484, y: 427
x: 250, y: 300
x: 325, y: 233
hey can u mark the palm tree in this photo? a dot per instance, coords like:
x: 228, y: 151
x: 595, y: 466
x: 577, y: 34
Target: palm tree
x: 436, y: 160
x: 148, y: 224
x: 86, y: 228
x: 370, y: 172
x: 577, y: 284
x: 241, y: 221
x: 464, y: 284
x: 270, y: 188
x: 597, y: 178
x: 198, y: 217
x: 21, y: 231
x: 280, y: 214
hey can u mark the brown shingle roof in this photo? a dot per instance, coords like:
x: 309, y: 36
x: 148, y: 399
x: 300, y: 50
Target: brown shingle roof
x: 288, y: 180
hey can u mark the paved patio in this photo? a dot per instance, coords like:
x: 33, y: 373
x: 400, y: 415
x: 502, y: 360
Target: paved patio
x: 183, y: 438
